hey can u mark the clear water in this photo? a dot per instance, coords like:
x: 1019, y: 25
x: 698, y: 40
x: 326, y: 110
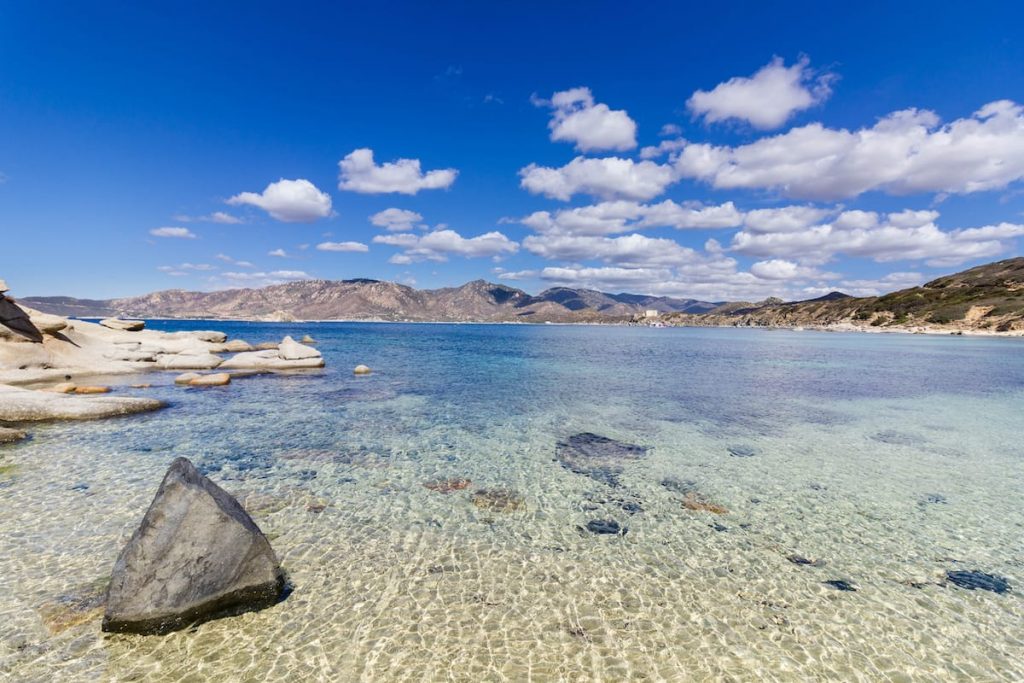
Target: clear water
x: 892, y: 459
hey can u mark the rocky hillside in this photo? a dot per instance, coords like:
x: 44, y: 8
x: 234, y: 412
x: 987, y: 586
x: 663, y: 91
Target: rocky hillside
x: 985, y: 298
x: 375, y: 300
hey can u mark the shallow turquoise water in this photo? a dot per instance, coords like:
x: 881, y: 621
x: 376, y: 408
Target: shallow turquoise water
x: 891, y: 459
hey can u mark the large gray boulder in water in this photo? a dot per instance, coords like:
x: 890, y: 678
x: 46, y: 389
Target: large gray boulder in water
x: 196, y: 556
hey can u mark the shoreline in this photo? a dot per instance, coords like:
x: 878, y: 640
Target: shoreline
x: 832, y: 328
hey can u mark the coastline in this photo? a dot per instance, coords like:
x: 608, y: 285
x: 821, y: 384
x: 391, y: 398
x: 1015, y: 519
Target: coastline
x: 950, y: 331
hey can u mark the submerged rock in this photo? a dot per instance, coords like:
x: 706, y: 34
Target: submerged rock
x: 76, y: 607
x: 197, y: 555
x: 498, y: 500
x: 896, y: 438
x: 934, y: 499
x: 606, y: 526
x: 800, y: 560
x: 980, y: 580
x: 306, y: 339
x: 8, y: 435
x: 679, y: 485
x: 741, y: 451
x: 841, y: 585
x: 697, y: 502
x: 447, y: 485
x: 597, y: 457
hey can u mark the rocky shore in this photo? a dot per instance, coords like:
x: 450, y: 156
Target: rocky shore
x: 44, y: 359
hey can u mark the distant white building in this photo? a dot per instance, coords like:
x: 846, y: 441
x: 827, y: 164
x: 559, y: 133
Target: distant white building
x: 650, y: 313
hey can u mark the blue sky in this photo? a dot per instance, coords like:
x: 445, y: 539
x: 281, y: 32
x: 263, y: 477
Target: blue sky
x: 715, y: 153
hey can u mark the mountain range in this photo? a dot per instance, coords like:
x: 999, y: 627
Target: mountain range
x: 988, y: 297
x: 363, y: 299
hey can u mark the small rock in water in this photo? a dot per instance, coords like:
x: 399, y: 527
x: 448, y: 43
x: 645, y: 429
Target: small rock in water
x: 841, y: 585
x: 498, y: 500
x: 597, y: 457
x: 186, y: 378
x: 361, y: 370
x: 980, y: 580
x: 799, y: 559
x: 217, y: 379
x: 606, y: 526
x: 8, y: 435
x: 447, y: 485
x: 92, y: 390
x: 742, y: 451
x: 306, y: 339
x: 81, y: 486
x: 934, y: 499
x: 718, y: 527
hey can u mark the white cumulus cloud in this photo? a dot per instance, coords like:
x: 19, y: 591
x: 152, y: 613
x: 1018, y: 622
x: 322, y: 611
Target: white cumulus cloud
x: 612, y: 217
x: 290, y: 201
x: 359, y: 173
x: 607, y: 178
x: 899, y: 236
x: 765, y: 100
x: 396, y: 220
x: 906, y: 152
x: 590, y: 126
x: 439, y: 244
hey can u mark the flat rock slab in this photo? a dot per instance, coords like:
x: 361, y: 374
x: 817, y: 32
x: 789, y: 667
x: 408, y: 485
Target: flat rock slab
x: 123, y: 325
x: 597, y: 457
x: 17, y: 405
x: 196, y: 556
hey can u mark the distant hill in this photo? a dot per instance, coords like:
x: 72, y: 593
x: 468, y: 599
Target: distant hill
x: 988, y: 297
x: 364, y: 299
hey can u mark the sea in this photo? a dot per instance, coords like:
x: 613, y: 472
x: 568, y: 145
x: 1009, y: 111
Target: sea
x: 556, y: 503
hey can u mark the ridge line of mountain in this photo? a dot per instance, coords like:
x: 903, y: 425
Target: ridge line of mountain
x: 989, y: 297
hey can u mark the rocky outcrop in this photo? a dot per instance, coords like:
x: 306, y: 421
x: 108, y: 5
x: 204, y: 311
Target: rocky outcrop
x: 985, y: 299
x: 15, y: 322
x: 289, y: 349
x: 197, y: 555
x: 289, y: 355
